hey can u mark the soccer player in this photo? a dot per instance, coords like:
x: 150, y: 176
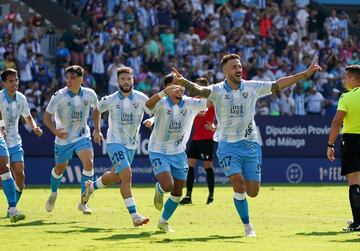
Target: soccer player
x: 347, y: 115
x: 173, y: 117
x: 70, y: 107
x: 7, y: 181
x: 126, y: 111
x: 14, y: 105
x: 201, y: 148
x: 239, y: 152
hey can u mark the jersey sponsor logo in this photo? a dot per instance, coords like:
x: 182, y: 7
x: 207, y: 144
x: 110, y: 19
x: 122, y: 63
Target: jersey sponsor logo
x: 76, y: 116
x: 236, y: 111
x: 174, y: 126
x: 127, y: 118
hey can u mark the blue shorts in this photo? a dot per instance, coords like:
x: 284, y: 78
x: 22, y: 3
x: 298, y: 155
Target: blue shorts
x: 64, y: 153
x: 120, y: 156
x: 3, y: 148
x: 242, y: 157
x: 16, y: 154
x: 175, y: 164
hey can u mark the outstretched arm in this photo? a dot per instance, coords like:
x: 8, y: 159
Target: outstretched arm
x: 195, y: 89
x: 290, y: 80
x: 152, y: 101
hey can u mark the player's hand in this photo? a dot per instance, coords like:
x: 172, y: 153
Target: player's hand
x: 98, y: 137
x: 331, y: 153
x: 61, y: 133
x: 178, y: 78
x: 148, y: 123
x: 173, y: 90
x: 38, y: 131
x: 314, y: 67
x: 210, y: 126
x: 3, y: 132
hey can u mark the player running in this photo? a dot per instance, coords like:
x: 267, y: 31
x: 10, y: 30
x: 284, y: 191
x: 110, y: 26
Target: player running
x: 126, y: 111
x: 14, y: 105
x: 173, y: 117
x: 239, y: 152
x: 71, y: 106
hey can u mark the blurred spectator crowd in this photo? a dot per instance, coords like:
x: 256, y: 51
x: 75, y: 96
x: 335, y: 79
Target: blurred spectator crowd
x: 274, y: 39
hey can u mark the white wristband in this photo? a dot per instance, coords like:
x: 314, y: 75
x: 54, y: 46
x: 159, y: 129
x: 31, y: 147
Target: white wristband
x: 2, y: 124
x: 161, y: 94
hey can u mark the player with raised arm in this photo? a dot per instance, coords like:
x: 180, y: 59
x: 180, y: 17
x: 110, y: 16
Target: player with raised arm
x: 239, y: 152
x: 174, y: 114
x: 126, y: 111
x: 14, y: 105
x: 70, y: 107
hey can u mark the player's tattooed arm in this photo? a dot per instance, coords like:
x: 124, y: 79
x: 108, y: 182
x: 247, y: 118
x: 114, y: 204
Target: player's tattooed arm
x: 195, y: 89
x: 275, y: 87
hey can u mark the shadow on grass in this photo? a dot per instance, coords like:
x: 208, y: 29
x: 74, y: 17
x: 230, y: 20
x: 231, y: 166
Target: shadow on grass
x: 77, y: 229
x: 322, y: 233
x: 200, y: 239
x: 36, y: 223
x: 166, y: 240
x: 357, y: 239
x: 129, y: 236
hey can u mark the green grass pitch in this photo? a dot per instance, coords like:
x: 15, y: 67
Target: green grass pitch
x: 284, y: 217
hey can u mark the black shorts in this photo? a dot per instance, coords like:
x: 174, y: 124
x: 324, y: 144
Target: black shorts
x: 350, y: 153
x: 201, y: 149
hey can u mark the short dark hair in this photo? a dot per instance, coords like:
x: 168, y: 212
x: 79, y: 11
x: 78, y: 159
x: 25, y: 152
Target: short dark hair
x: 77, y: 69
x: 202, y: 81
x: 168, y: 79
x: 123, y: 69
x: 8, y: 72
x: 354, y: 70
x: 229, y: 57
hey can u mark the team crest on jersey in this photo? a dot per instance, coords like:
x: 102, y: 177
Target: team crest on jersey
x: 136, y: 105
x: 7, y: 109
x: 245, y: 94
x: 226, y: 96
x: 183, y: 112
x: 69, y: 103
x: 168, y: 112
x: 86, y: 102
x: 117, y: 106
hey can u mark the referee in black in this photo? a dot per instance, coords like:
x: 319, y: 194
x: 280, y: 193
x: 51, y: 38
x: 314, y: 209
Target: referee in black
x: 347, y: 114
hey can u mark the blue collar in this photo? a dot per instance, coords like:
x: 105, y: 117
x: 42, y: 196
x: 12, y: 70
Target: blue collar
x: 71, y: 94
x: 229, y: 89
x: 122, y: 96
x: 8, y: 98
x: 171, y: 104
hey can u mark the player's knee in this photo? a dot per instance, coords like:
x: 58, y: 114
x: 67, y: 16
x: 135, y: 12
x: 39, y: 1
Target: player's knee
x: 4, y: 169
x: 167, y: 187
x: 253, y: 193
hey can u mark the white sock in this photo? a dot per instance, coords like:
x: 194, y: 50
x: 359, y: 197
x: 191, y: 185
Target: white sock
x: 88, y: 173
x: 98, y: 184
x: 55, y: 175
x: 162, y: 220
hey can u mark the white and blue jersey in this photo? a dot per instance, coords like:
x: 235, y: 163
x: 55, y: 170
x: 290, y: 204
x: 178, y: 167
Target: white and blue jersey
x: 125, y: 116
x: 172, y: 124
x: 235, y: 109
x: 71, y: 112
x: 11, y: 110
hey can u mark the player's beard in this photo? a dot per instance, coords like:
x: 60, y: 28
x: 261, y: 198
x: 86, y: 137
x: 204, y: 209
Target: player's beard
x: 126, y: 90
x: 235, y: 79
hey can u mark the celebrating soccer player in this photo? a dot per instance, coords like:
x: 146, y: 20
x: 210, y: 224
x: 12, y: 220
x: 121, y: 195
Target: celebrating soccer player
x: 239, y: 152
x: 348, y: 114
x: 14, y: 105
x: 126, y: 110
x: 71, y: 106
x: 173, y: 117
